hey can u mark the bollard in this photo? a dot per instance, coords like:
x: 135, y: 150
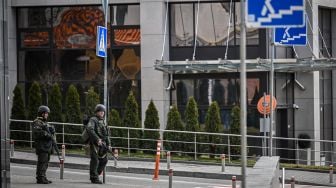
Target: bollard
x: 283, y: 178
x: 234, y: 183
x: 170, y: 174
x: 331, y: 174
x: 12, y: 148
x: 63, y: 152
x: 223, y: 162
x: 168, y: 160
x: 104, y: 175
x: 157, y: 161
x: 61, y: 168
x: 292, y: 182
x: 116, y: 155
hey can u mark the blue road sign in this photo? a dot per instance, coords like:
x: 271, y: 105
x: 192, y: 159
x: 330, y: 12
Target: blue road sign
x: 290, y: 36
x: 101, y: 46
x: 275, y: 13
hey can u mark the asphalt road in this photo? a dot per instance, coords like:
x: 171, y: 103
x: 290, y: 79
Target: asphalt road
x: 24, y: 176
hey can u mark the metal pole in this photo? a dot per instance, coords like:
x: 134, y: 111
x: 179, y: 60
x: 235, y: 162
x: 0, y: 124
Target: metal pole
x: 31, y: 136
x: 63, y: 133
x: 243, y: 92
x: 229, y: 150
x: 283, y: 177
x: 271, y: 96
x: 168, y: 160
x: 331, y: 174
x: 128, y: 142
x: 234, y: 182
x: 195, y: 149
x: 223, y: 162
x: 61, y: 168
x: 63, y: 152
x: 264, y: 139
x: 106, y: 2
x: 170, y: 174
x: 297, y: 151
x: 293, y: 182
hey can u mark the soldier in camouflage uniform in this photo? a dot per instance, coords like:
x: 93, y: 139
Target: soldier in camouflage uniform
x: 99, y: 138
x: 44, y: 137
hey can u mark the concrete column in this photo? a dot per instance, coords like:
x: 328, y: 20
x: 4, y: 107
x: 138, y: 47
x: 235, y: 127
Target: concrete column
x: 12, y: 53
x: 4, y: 92
x: 153, y: 83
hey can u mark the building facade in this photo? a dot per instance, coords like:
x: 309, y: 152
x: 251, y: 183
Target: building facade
x: 54, y: 41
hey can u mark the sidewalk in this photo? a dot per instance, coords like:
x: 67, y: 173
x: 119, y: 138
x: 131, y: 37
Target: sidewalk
x: 180, y: 169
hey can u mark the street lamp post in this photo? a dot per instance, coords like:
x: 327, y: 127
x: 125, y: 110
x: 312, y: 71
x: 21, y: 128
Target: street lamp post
x: 243, y: 92
x: 105, y: 7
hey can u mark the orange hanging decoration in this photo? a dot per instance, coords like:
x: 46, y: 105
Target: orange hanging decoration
x: 264, y: 106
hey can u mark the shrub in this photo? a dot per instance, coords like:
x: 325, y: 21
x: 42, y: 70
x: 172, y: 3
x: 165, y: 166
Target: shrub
x: 235, y: 129
x: 115, y: 121
x: 131, y: 119
x: 55, y: 104
x: 18, y: 112
x: 151, y: 122
x: 73, y: 115
x: 191, y: 124
x: 92, y: 99
x: 34, y: 100
x: 213, y: 125
x: 174, y: 122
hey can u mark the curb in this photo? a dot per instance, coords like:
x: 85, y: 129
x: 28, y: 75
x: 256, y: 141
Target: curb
x: 162, y: 172
x: 134, y: 170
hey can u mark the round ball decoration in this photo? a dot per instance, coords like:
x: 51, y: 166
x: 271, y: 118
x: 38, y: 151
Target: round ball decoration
x: 264, y: 106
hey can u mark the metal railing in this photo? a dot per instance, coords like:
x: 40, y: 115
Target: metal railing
x: 287, y: 148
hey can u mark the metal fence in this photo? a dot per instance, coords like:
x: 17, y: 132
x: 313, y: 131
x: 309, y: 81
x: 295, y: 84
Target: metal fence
x: 194, y: 144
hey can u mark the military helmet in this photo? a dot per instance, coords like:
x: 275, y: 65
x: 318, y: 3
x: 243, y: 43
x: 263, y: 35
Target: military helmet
x: 42, y: 109
x: 100, y: 107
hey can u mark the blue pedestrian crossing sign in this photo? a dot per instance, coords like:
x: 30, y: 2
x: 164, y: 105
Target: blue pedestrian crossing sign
x: 101, y: 46
x: 291, y: 36
x: 275, y: 13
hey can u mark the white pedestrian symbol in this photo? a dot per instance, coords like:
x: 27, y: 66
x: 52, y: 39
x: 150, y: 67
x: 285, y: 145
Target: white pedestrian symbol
x: 267, y: 7
x: 286, y: 34
x: 102, y: 42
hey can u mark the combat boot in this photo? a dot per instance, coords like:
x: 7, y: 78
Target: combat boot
x: 47, y: 180
x: 96, y: 181
x: 42, y: 181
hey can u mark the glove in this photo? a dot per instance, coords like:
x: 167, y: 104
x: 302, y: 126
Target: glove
x: 51, y: 130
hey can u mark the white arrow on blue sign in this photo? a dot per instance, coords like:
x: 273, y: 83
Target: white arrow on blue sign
x: 101, y: 46
x: 275, y: 13
x: 290, y: 36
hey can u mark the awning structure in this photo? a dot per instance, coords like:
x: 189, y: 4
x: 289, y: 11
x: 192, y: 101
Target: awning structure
x: 255, y: 65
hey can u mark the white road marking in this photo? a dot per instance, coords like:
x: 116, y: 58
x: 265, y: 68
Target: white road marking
x: 125, y: 177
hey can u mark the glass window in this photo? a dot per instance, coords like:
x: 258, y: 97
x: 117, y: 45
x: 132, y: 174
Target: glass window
x: 126, y: 36
x: 34, y: 17
x: 125, y: 64
x: 76, y: 65
x: 214, y: 24
x: 325, y: 26
x: 34, y: 39
x: 76, y: 27
x: 252, y: 34
x: 125, y: 15
x: 182, y: 25
x: 225, y: 91
x: 34, y: 65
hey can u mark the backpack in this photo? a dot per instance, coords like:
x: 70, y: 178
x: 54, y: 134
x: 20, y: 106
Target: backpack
x: 85, y: 135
